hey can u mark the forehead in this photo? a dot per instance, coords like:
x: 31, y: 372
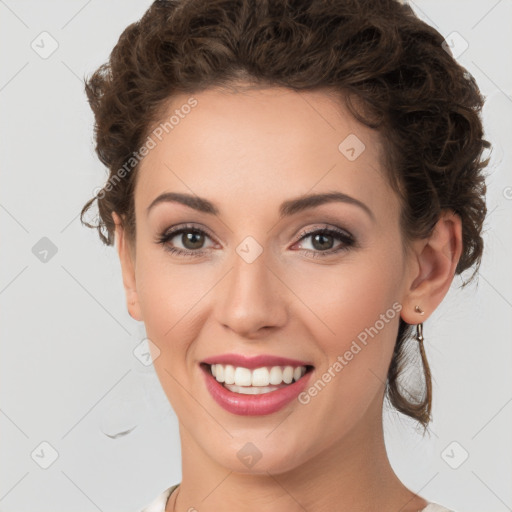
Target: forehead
x: 253, y: 143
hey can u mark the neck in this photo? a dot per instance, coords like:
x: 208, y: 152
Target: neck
x: 353, y: 473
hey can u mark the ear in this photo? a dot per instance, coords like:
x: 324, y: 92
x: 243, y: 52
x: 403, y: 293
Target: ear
x: 434, y: 261
x: 127, y: 261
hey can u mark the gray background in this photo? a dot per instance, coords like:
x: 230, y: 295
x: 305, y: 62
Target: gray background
x: 68, y: 373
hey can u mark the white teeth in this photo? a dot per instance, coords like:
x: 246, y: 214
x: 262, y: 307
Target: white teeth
x: 250, y: 390
x: 243, y: 376
x: 288, y: 374
x: 276, y: 375
x: 229, y: 374
x: 219, y: 373
x: 259, y: 377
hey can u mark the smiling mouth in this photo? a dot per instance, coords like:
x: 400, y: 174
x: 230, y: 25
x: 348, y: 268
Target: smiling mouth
x: 257, y: 381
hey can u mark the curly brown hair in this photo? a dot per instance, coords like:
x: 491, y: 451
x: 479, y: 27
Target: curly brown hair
x: 391, y: 69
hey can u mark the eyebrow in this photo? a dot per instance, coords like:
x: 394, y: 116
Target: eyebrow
x: 287, y: 208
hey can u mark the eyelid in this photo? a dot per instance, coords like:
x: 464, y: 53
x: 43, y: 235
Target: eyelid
x: 304, y: 232
x: 346, y: 239
x: 324, y: 227
x: 191, y: 226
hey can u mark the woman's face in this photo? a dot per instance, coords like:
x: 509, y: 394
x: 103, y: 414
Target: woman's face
x: 251, y: 282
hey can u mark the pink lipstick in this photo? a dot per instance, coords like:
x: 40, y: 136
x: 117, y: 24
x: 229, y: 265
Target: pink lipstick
x: 245, y: 396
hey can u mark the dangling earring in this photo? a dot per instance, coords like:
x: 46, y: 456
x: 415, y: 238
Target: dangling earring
x: 419, y: 332
x: 427, y: 402
x: 419, y: 327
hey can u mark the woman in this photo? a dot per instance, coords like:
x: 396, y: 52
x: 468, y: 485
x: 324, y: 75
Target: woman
x: 293, y: 185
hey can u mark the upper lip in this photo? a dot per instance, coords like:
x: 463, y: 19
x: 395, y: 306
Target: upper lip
x: 252, y: 362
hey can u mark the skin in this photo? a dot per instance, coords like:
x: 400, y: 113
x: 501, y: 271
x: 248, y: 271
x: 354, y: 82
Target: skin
x: 247, y: 151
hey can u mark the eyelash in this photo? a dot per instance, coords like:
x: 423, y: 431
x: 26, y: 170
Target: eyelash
x: 343, y: 236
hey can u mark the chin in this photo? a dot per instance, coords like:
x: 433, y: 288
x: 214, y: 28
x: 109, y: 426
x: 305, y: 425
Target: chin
x: 257, y: 457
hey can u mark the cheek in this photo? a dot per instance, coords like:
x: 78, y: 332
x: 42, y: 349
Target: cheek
x: 170, y: 302
x: 169, y: 294
x: 343, y: 300
x: 357, y: 315
x: 175, y: 302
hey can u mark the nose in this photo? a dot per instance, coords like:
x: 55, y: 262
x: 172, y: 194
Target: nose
x: 252, y: 299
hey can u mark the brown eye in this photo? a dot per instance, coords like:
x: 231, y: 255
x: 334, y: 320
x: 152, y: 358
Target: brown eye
x: 192, y: 239
x: 323, y: 241
x: 184, y: 241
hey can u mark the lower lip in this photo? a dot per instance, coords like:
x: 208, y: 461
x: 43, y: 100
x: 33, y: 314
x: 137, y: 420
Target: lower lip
x: 253, y: 405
